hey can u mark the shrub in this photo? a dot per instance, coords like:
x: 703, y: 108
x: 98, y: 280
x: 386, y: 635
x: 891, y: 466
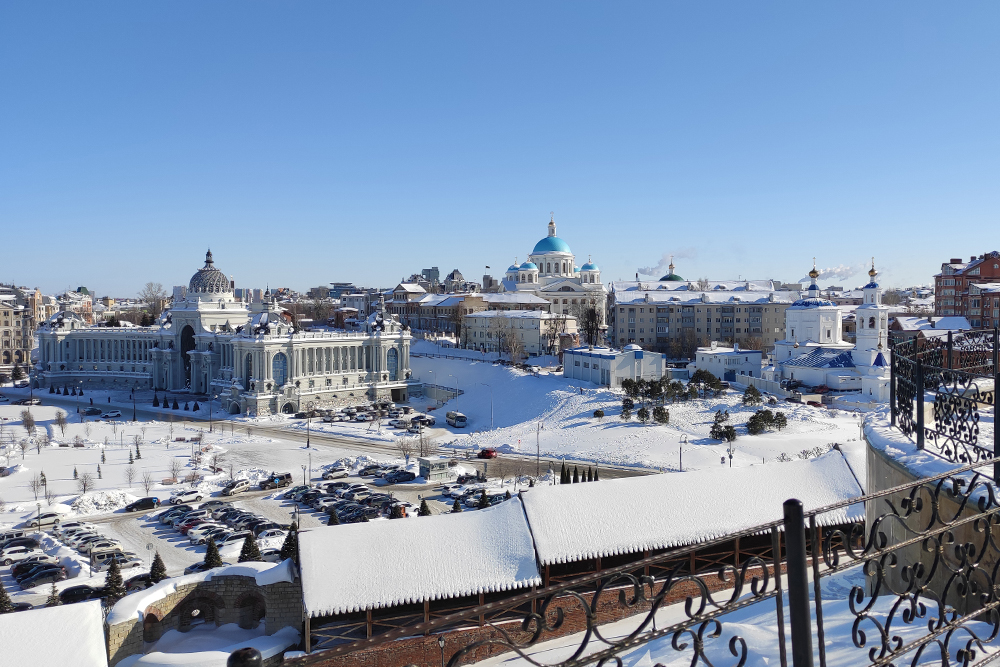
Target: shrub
x: 643, y: 414
x: 598, y: 415
x: 661, y: 415
x: 752, y: 396
x: 627, y: 405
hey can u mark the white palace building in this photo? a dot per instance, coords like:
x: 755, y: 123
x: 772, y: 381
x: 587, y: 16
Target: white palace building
x: 208, y: 344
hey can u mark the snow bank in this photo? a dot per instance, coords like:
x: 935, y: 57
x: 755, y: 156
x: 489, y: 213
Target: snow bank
x: 268, y: 645
x: 627, y: 515
x: 102, y: 502
x: 131, y: 606
x: 386, y: 563
x: 70, y: 634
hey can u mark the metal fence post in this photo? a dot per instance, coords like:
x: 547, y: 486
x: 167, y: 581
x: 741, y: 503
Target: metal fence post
x: 996, y: 394
x: 919, y: 395
x: 948, y: 364
x: 892, y: 383
x: 799, y: 615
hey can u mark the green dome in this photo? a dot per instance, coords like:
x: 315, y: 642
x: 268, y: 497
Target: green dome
x: 672, y: 278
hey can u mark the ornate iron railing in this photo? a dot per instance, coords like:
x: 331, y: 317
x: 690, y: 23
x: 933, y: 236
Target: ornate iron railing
x: 956, y: 374
x: 916, y: 582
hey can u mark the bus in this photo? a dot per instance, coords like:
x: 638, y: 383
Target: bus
x: 456, y: 419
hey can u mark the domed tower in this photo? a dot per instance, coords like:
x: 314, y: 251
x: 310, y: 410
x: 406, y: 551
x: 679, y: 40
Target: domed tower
x: 671, y: 276
x: 527, y: 273
x: 552, y: 255
x: 873, y: 323
x: 589, y: 273
x: 209, y: 282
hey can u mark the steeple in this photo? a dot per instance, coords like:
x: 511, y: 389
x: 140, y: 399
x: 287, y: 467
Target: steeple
x: 552, y: 224
x: 872, y: 272
x: 813, y: 289
x: 208, y: 259
x: 670, y: 267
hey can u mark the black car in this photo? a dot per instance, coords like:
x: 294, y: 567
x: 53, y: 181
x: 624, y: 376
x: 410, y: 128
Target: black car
x: 139, y: 582
x: 276, y: 480
x: 22, y: 606
x: 92, y: 411
x: 400, y: 476
x: 80, y: 593
x: 30, y: 542
x: 44, y: 577
x: 32, y: 571
x: 25, y: 566
x: 150, y: 503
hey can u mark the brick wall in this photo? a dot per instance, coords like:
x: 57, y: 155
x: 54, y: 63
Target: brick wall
x: 230, y: 599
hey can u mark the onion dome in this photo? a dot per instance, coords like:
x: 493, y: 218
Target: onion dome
x: 589, y: 266
x: 209, y: 280
x: 529, y: 266
x: 871, y: 277
x: 671, y: 276
x: 551, y: 243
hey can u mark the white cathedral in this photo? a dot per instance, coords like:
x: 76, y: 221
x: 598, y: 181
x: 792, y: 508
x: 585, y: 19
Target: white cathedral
x: 551, y: 273
x: 815, y: 352
x: 209, y: 345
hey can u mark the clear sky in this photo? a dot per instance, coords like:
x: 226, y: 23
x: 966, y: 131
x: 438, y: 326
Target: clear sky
x: 311, y: 142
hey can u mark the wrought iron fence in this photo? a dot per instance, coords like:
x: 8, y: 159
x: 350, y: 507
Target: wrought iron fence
x: 916, y: 582
x: 957, y: 375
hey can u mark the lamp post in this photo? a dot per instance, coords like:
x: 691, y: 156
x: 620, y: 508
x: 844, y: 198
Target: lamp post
x: 538, y: 449
x: 211, y: 400
x: 680, y: 451
x: 308, y: 423
x: 457, y: 388
x: 441, y: 644
x: 304, y: 475
x: 491, y: 403
x: 38, y: 517
x: 133, y: 408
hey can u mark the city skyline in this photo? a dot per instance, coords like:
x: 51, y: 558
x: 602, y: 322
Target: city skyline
x: 313, y: 144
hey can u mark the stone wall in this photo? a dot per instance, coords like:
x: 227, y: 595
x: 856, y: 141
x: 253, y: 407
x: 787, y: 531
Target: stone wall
x: 220, y: 600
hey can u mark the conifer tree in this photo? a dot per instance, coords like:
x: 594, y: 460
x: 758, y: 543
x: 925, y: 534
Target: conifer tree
x: 590, y: 474
x: 484, y: 502
x: 76, y: 475
x: 456, y: 507
x: 130, y: 459
x: 99, y: 476
x: 138, y: 454
x: 576, y: 475
x: 158, y: 571
x: 290, y: 548
x: 212, y: 557
x: 6, y: 605
x: 114, y: 586
x: 333, y: 520
x: 424, y: 509
x: 597, y: 474
x: 196, y: 407
x: 53, y: 599
x: 507, y: 495
x: 176, y: 407
x: 562, y: 473
x: 103, y: 459
x: 156, y: 400
x: 250, y: 550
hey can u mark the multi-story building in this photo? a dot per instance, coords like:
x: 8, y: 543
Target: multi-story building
x: 675, y: 317
x: 208, y: 344
x: 16, y: 333
x: 953, y: 293
x: 537, y: 330
x: 442, y: 313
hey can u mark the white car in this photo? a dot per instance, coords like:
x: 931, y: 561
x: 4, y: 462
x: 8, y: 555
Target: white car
x: 197, y: 535
x: 399, y: 423
x: 17, y: 554
x: 101, y: 545
x: 271, y: 532
x: 76, y: 539
x: 111, y: 414
x: 448, y: 489
x: 363, y: 417
x: 45, y: 519
x: 72, y: 527
x: 239, y: 486
x: 336, y: 473
x: 190, y: 496
x: 125, y: 561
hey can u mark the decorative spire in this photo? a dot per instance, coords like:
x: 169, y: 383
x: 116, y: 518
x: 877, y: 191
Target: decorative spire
x: 873, y: 272
x: 814, y: 274
x: 670, y: 267
x: 208, y: 259
x: 552, y: 223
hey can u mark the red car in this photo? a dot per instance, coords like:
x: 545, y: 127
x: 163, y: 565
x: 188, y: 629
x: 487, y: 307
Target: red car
x: 188, y: 525
x: 488, y: 453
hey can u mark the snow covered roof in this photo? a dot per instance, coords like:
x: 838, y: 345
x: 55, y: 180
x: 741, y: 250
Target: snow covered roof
x: 523, y: 314
x: 378, y: 564
x: 627, y: 515
x: 515, y: 297
x: 675, y: 296
x: 932, y: 324
x: 823, y: 358
x: 71, y: 634
x: 412, y: 288
x: 675, y: 285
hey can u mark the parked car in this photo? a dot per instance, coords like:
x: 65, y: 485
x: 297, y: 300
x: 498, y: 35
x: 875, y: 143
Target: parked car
x: 139, y: 582
x: 276, y: 480
x: 211, y: 504
x: 45, y: 519
x: 16, y: 554
x: 25, y: 541
x: 79, y: 594
x: 488, y: 453
x: 237, y: 486
x: 196, y: 567
x: 90, y: 411
x: 170, y: 514
x: 400, y: 476
x: 270, y: 533
x: 369, y: 471
x: 101, y: 545
x: 125, y: 561
x: 79, y: 538
x: 228, y: 539
x: 30, y: 563
x: 197, y: 534
x: 45, y: 577
x: 448, y: 489
x: 186, y: 496
x: 270, y: 555
x: 111, y: 414
x: 292, y: 491
x: 150, y: 503
x: 36, y: 569
x: 336, y: 473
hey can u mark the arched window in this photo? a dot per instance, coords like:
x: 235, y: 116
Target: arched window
x: 279, y: 369
x: 871, y: 322
x: 548, y: 267
x: 392, y: 363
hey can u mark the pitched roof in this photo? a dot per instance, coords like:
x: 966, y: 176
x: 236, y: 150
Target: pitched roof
x: 823, y: 358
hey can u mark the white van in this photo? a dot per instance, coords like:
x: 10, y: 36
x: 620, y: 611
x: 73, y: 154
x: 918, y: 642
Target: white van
x: 239, y: 486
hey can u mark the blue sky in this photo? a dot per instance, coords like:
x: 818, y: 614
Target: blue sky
x: 316, y: 142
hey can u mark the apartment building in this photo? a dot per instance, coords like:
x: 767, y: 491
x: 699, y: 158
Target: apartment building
x: 970, y: 289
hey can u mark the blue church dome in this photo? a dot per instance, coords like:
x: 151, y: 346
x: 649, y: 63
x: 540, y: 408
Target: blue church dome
x: 589, y: 267
x: 551, y: 244
x: 512, y: 268
x: 528, y: 266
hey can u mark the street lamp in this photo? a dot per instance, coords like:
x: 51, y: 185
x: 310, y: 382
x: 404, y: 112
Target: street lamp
x: 211, y: 400
x: 38, y: 517
x: 680, y: 450
x: 304, y: 475
x: 457, y: 388
x: 308, y: 423
x: 491, y: 403
x: 441, y: 644
x: 538, y: 449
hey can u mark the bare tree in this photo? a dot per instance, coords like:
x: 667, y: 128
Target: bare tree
x: 702, y: 284
x: 41, y: 440
x: 61, y: 422
x: 218, y: 458
x: 554, y: 327
x: 154, y: 297
x: 142, y: 429
x: 36, y: 485
x: 405, y: 447
x: 498, y: 331
x: 175, y: 468
x: 85, y: 483
x: 28, y: 422
x: 232, y: 472
x: 50, y: 496
x: 137, y: 440
x: 129, y: 474
x: 147, y: 481
x: 590, y: 325
x: 249, y: 432
x: 86, y: 430
x: 501, y: 468
x: 752, y: 343
x: 23, y: 445
x: 193, y: 478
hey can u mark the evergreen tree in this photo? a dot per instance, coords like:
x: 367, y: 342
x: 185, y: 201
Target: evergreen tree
x: 196, y: 407
x: 780, y: 420
x: 158, y: 572
x: 484, y: 502
x: 627, y: 405
x: 176, y: 407
x: 103, y: 460
x: 138, y: 454
x: 53, y: 599
x: 576, y: 475
x: 424, y: 509
x: 456, y: 507
x: 99, y: 476
x: 250, y: 550
x: 212, y: 557
x: 531, y: 483
x: 156, y: 400
x: 333, y: 520
x: 597, y: 474
x: 6, y: 605
x: 752, y: 396
x: 506, y: 496
x: 130, y: 459
x: 643, y: 414
x: 52, y: 389
x: 17, y: 374
x: 562, y: 473
x: 76, y: 475
x: 590, y: 474
x: 114, y: 586
x: 80, y: 392
x: 290, y: 548
x: 187, y: 406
